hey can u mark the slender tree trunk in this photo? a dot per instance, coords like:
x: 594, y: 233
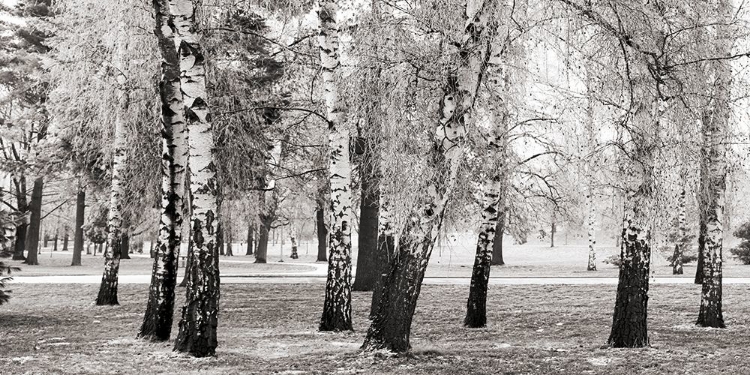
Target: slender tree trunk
x: 714, y: 138
x: 590, y: 206
x: 65, y: 240
x: 553, y: 229
x: 294, y: 254
x: 197, y: 327
x: 220, y: 238
x: 322, y: 234
x: 250, y: 239
x: 337, y: 306
x: 54, y: 242
x: 157, y: 319
x: 681, y: 243
x: 367, y: 270
x: 78, y: 237
x: 36, y: 221
x: 21, y: 229
x: 391, y: 325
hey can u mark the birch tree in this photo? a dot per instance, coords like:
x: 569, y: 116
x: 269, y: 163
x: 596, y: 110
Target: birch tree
x: 108, y: 288
x: 197, y: 327
x: 157, y: 320
x: 391, y: 324
x: 337, y: 306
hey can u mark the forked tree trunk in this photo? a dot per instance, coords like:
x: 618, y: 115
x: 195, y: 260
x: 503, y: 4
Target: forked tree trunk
x: 391, y: 325
x: 197, y: 332
x: 78, y: 233
x: 157, y: 319
x: 108, y: 288
x: 36, y: 222
x: 337, y: 305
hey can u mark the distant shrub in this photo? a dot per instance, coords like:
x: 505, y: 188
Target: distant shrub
x: 7, y: 222
x: 742, y: 252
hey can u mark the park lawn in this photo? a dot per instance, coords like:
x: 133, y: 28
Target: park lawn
x: 267, y: 328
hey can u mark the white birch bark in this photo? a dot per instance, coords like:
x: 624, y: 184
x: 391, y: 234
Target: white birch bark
x: 590, y: 205
x: 337, y: 306
x: 108, y: 288
x: 714, y: 194
x: 157, y: 323
x: 197, y: 333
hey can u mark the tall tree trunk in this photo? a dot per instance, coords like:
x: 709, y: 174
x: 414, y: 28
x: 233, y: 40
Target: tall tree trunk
x: 220, y: 238
x: 337, y: 305
x: 78, y: 236
x: 293, y: 240
x: 157, y: 319
x: 36, y: 221
x: 681, y: 243
x: 322, y: 233
x: 197, y: 332
x: 590, y: 149
x: 497, y: 243
x: 54, y: 241
x: 367, y: 270
x: 65, y: 239
x: 553, y: 228
x: 250, y: 228
x: 391, y: 326
x: 265, y: 227
x: 21, y: 229
x: 384, y: 254
x: 108, y: 288
x: 629, y: 322
x: 714, y: 138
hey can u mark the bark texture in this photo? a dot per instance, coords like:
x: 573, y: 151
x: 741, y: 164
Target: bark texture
x: 108, y: 288
x: 35, y: 223
x: 197, y: 327
x: 391, y: 325
x: 337, y: 305
x: 679, y: 247
x: 21, y: 201
x: 157, y: 319
x: 589, y: 175
x: 367, y: 270
x: 715, y: 126
x: 78, y: 233
x: 322, y: 232
x: 629, y: 322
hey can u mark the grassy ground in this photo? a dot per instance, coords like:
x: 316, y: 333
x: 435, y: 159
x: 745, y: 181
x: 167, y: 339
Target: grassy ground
x: 264, y: 329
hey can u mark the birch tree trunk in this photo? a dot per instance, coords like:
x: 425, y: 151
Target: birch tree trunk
x: 337, y: 306
x: 108, y: 288
x: 197, y: 333
x: 714, y: 133
x: 629, y: 322
x: 590, y: 206
x: 391, y: 326
x: 493, y: 191
x: 681, y: 243
x: 157, y: 319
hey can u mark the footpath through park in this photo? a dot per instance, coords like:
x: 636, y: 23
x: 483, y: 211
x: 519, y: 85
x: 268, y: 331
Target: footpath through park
x: 318, y: 271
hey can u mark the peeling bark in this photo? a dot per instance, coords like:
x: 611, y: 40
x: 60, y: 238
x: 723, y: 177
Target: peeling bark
x: 337, y: 305
x: 197, y: 327
x: 159, y: 313
x: 391, y: 325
